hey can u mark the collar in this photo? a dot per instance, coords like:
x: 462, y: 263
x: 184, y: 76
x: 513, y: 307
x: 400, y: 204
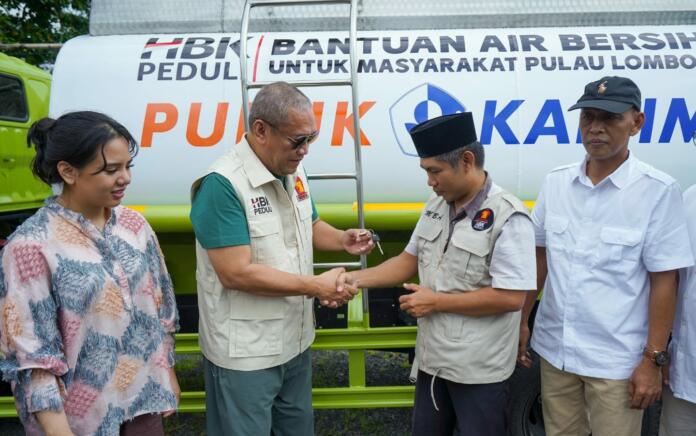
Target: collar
x: 78, y: 220
x: 470, y: 208
x: 256, y: 171
x: 618, y: 178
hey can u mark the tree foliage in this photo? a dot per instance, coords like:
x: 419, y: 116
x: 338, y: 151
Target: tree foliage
x: 41, y: 21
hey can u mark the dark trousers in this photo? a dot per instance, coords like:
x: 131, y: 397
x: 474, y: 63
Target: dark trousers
x: 474, y: 410
x: 143, y: 425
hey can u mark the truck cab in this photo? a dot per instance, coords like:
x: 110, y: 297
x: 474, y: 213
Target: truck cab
x: 24, y: 96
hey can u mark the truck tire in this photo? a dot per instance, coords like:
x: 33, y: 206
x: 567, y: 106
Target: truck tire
x: 524, y: 407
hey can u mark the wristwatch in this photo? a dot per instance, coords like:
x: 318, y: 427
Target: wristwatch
x: 659, y: 358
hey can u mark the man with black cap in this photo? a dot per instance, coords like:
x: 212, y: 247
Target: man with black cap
x: 610, y: 235
x: 473, y: 249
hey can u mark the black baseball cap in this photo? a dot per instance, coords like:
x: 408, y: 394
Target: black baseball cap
x: 442, y: 134
x: 611, y: 93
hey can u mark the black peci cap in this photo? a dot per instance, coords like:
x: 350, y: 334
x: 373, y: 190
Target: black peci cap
x: 612, y: 94
x: 442, y: 134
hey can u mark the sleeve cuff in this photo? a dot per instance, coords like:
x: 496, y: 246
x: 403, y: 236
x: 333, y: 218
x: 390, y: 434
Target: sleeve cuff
x: 44, y: 394
x: 510, y: 284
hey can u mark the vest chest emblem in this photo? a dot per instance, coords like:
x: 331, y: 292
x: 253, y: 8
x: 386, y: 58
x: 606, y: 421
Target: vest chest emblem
x: 483, y: 220
x: 300, y: 189
x: 261, y: 205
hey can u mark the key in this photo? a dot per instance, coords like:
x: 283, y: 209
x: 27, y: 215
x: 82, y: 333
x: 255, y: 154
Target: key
x: 375, y: 239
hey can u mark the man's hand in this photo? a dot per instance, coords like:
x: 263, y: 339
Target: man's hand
x: 327, y: 289
x: 422, y: 302
x: 357, y: 241
x: 177, y: 391
x: 645, y: 384
x: 523, y: 356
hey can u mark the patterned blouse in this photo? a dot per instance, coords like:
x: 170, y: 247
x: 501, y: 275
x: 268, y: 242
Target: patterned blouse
x: 86, y: 319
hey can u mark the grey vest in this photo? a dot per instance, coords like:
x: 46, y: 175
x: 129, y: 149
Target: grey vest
x: 460, y: 348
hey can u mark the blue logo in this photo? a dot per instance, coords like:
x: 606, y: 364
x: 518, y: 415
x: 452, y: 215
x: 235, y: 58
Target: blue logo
x: 420, y: 104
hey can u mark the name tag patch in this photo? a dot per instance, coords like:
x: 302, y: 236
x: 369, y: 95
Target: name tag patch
x: 483, y: 220
x: 434, y: 215
x: 261, y: 205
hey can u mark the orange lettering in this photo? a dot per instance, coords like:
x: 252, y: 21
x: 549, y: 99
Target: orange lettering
x: 346, y: 122
x: 318, y: 108
x: 218, y: 126
x: 152, y: 126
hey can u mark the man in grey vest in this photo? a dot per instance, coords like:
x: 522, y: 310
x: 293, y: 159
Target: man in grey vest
x: 256, y: 227
x: 473, y: 249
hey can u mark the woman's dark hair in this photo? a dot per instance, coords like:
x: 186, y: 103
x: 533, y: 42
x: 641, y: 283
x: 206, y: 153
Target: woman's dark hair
x: 75, y: 138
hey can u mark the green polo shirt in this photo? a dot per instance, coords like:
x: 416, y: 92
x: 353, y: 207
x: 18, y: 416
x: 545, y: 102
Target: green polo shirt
x: 217, y: 215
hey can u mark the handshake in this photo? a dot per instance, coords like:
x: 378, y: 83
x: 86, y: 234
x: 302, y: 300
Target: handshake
x: 335, y: 287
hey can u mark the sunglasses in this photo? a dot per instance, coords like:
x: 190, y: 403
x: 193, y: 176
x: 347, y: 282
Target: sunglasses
x: 297, y: 141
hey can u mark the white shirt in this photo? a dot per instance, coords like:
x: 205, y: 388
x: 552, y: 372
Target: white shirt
x: 601, y: 241
x: 513, y: 262
x: 683, y: 346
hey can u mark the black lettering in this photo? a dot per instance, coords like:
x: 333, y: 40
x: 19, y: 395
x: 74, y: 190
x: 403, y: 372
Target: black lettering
x: 224, y: 45
x: 654, y: 39
x: 571, y: 42
x: 183, y: 75
x: 311, y: 45
x: 202, y: 44
x: 686, y: 40
x: 283, y: 47
x: 228, y: 75
x: 204, y: 71
x: 342, y: 46
x: 340, y: 66
x: 423, y: 43
x: 401, y: 65
x: 165, y: 68
x: 457, y: 44
x: 367, y: 44
x: 387, y: 46
x: 324, y: 66
x: 532, y: 41
x: 367, y: 66
x: 276, y: 69
x: 598, y: 41
x: 492, y: 42
x: 386, y: 66
x: 145, y: 68
x: 446, y: 65
x: 531, y: 62
x: 621, y: 39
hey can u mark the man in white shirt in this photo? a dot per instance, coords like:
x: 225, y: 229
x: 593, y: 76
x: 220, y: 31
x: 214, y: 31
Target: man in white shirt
x: 679, y: 395
x: 610, y: 235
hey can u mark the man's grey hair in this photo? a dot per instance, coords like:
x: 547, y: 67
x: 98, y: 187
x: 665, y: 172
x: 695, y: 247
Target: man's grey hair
x: 453, y: 157
x: 273, y: 103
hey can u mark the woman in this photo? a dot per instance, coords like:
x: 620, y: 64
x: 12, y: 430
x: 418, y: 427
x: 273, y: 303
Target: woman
x: 86, y: 304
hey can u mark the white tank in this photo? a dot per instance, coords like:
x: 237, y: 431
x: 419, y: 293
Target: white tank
x: 180, y: 96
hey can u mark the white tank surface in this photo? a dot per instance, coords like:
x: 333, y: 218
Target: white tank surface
x: 180, y: 95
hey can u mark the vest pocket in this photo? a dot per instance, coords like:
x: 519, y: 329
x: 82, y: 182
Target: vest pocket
x: 458, y: 328
x: 469, y: 263
x: 427, y: 238
x: 266, y: 243
x: 256, y: 337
